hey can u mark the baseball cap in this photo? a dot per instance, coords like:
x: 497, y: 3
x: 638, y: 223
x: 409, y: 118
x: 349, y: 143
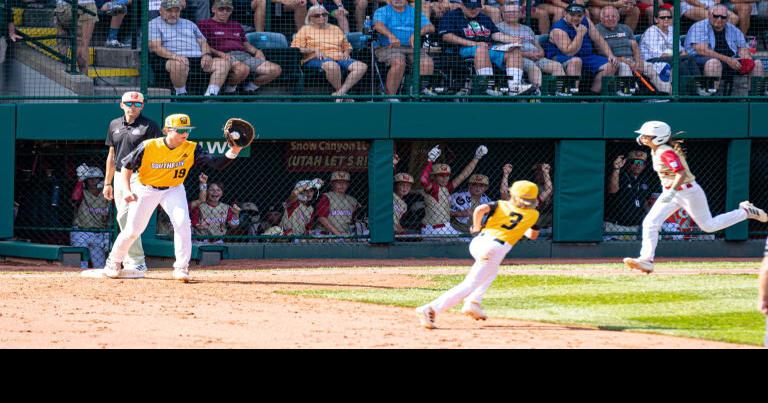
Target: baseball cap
x: 747, y: 65
x: 637, y: 155
x: 575, y: 8
x: 472, y: 3
x: 132, y: 96
x: 249, y: 206
x: 524, y: 190
x: 478, y: 179
x: 168, y: 4
x: 223, y: 3
x: 94, y: 172
x: 404, y: 177
x: 340, y: 176
x: 178, y: 120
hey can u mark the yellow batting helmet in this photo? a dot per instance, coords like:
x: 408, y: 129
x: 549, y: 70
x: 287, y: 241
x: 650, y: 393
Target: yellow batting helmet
x: 526, y: 191
x: 178, y: 121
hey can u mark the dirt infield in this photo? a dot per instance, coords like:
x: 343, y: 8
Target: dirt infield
x: 243, y: 309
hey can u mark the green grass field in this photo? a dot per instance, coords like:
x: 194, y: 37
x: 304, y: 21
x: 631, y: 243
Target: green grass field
x: 719, y: 307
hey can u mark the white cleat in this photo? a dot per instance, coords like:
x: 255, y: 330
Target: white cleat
x: 639, y: 264
x: 753, y: 213
x: 474, y: 311
x: 140, y: 267
x: 112, y: 269
x: 426, y: 316
x: 181, y: 274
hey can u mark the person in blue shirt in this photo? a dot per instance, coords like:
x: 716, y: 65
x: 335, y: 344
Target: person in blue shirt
x: 720, y: 48
x: 573, y: 42
x: 473, y: 33
x: 395, y: 22
x: 7, y: 29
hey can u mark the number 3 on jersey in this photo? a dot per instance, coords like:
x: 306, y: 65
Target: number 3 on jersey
x: 514, y: 219
x: 180, y: 173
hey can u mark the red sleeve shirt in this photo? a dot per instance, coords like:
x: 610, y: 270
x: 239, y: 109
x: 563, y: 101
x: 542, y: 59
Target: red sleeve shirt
x: 290, y: 207
x: 672, y: 161
x: 426, y: 183
x: 195, y: 216
x: 323, y: 207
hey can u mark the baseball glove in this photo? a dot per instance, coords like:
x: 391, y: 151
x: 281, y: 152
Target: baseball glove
x: 239, y: 132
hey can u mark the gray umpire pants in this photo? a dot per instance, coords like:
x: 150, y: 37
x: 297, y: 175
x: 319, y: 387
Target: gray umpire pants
x: 135, y: 255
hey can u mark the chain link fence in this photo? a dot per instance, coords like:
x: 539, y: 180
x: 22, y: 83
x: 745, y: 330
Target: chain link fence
x: 58, y: 196
x: 758, y: 191
x: 346, y: 50
x: 632, y: 187
x: 439, y: 203
x: 286, y: 191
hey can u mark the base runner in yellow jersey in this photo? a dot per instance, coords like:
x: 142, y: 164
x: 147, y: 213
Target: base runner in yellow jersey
x: 162, y: 165
x: 508, y: 222
x: 680, y: 191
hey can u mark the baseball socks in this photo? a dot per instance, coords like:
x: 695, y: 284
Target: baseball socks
x: 212, y: 90
x: 181, y: 90
x: 251, y: 87
x: 229, y: 89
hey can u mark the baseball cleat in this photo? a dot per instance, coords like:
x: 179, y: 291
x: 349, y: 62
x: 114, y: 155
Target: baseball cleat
x: 426, y: 316
x: 474, y: 311
x: 753, y: 213
x: 112, y: 269
x: 181, y: 274
x: 140, y: 267
x: 639, y: 264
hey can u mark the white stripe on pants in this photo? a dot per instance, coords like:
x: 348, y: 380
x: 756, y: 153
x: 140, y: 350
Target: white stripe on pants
x: 174, y: 202
x: 694, y: 201
x: 135, y: 255
x: 488, y: 255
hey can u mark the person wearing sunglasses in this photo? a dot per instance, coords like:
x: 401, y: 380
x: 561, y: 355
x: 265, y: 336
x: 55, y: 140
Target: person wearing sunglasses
x: 162, y: 165
x: 656, y: 43
x: 720, y: 49
x: 628, y: 190
x: 124, y: 135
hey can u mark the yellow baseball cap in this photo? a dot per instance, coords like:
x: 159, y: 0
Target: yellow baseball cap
x: 178, y: 121
x: 524, y: 190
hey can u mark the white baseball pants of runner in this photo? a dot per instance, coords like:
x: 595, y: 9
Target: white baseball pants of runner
x: 488, y: 254
x: 174, y: 202
x: 97, y: 244
x: 694, y: 201
x: 135, y: 255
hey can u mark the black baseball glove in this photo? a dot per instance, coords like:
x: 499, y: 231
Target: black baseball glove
x: 239, y: 132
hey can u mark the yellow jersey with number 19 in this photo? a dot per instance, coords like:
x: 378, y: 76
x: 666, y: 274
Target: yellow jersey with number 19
x: 508, y: 222
x: 163, y: 167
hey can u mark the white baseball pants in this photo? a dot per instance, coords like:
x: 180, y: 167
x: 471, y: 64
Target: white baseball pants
x: 174, y: 202
x: 694, y: 201
x: 135, y: 255
x: 488, y: 254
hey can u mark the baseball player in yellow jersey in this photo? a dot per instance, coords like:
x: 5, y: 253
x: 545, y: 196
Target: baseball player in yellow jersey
x: 680, y: 191
x: 162, y: 165
x: 508, y: 221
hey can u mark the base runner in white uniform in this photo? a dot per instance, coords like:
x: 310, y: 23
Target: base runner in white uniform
x: 162, y: 165
x: 508, y: 222
x: 680, y: 191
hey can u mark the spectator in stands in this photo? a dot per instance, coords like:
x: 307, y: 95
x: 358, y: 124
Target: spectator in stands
x: 698, y: 10
x: 646, y: 8
x: 86, y: 22
x: 621, y: 40
x: 626, y: 8
x: 656, y: 44
x: 7, y: 28
x: 297, y: 7
x: 335, y: 209
x: 336, y: 10
x: 298, y: 207
x: 473, y: 33
x: 183, y: 51
x: 628, y: 192
x: 343, y: 207
x: 573, y: 41
x: 744, y: 10
x: 91, y: 215
x: 325, y: 47
x: 540, y: 11
x: 547, y: 12
x: 212, y: 218
x: 395, y: 23
x: 228, y: 41
x: 534, y: 62
x: 117, y: 10
x: 154, y: 9
x: 463, y: 204
x: 440, y: 8
x: 403, y: 185
x: 196, y: 10
x: 437, y: 187
x: 719, y: 48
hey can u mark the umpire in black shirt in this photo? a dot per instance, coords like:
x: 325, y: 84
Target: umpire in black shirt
x: 124, y: 135
x: 628, y: 192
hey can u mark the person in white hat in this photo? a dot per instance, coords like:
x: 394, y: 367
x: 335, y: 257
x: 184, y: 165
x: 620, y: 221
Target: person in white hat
x: 680, y: 191
x: 91, y: 215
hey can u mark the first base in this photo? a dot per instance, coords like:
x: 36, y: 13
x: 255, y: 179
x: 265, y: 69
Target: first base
x: 125, y: 274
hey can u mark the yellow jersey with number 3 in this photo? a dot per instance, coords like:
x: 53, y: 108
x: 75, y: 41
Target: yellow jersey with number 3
x: 163, y: 167
x: 508, y: 222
